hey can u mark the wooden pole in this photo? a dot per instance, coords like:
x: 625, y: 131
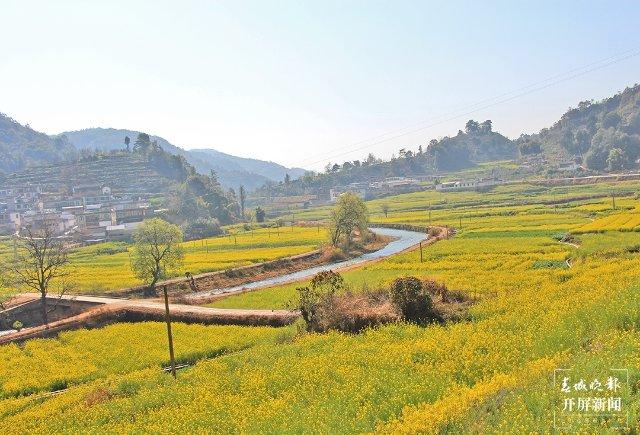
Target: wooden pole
x: 168, y: 319
x: 613, y: 199
x: 420, y: 252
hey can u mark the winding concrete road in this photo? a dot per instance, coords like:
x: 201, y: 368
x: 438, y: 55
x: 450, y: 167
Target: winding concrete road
x: 403, y: 240
x: 108, y: 310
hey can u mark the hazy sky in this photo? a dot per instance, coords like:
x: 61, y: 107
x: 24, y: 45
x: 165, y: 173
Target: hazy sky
x: 294, y: 81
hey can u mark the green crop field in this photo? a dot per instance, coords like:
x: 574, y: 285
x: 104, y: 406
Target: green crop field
x: 542, y: 305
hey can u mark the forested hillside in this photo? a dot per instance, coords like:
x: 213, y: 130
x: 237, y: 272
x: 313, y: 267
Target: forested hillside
x: 232, y: 171
x: 21, y: 146
x: 605, y: 133
x: 477, y: 144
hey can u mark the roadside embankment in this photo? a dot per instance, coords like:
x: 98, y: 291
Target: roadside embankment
x: 105, y: 311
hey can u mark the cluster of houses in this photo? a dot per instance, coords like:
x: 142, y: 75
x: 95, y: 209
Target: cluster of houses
x: 374, y: 189
x: 395, y: 185
x: 88, y: 213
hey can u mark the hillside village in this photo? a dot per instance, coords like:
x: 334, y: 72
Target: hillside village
x: 88, y: 203
x: 106, y: 198
x: 103, y: 195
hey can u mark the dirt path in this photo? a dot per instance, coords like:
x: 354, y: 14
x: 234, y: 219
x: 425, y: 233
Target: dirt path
x: 112, y: 310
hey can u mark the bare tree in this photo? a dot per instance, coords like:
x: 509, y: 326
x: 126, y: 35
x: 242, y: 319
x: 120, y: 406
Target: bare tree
x: 40, y: 259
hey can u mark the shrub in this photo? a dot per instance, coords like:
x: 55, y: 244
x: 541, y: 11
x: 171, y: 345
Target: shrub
x: 126, y: 388
x: 566, y: 238
x: 433, y: 232
x: 260, y: 214
x: 324, y: 309
x: 455, y: 296
x: 201, y: 229
x: 96, y: 397
x: 435, y: 288
x: 328, y: 281
x: 633, y: 249
x: 412, y: 299
x: 327, y: 304
x: 17, y: 325
x: 353, y: 313
x: 549, y: 264
x: 333, y: 255
x: 233, y: 273
x: 111, y: 250
x: 324, y: 286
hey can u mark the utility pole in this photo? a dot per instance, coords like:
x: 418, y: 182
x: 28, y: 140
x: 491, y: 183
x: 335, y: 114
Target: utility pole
x: 168, y: 319
x: 613, y: 198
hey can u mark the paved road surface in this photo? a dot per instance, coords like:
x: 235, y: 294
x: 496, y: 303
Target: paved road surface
x: 403, y: 240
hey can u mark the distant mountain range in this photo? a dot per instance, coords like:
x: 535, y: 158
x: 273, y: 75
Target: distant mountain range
x: 22, y: 147
x: 232, y: 171
x: 605, y: 135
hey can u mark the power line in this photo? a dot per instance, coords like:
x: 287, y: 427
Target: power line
x: 484, y: 104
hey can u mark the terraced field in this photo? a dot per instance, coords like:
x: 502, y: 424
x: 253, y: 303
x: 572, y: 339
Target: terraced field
x: 492, y: 372
x: 627, y: 220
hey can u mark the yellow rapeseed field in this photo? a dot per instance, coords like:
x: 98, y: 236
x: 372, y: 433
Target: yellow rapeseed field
x: 543, y: 305
x: 106, y: 266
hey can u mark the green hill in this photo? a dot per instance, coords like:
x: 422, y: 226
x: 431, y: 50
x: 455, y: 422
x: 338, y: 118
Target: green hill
x: 21, y: 146
x: 232, y: 171
x: 477, y: 144
x: 605, y: 133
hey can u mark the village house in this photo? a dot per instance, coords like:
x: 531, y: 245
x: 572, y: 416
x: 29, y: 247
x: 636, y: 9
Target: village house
x: 468, y: 184
x: 569, y: 166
